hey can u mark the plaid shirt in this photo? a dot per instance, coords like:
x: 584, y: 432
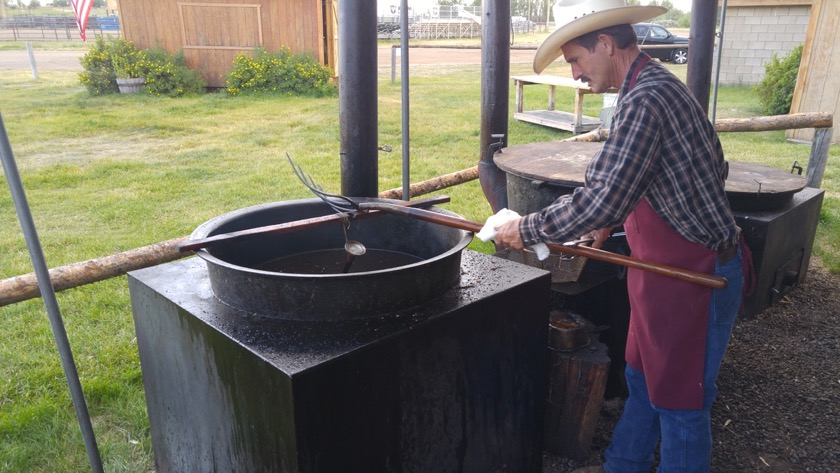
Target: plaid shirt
x: 661, y: 147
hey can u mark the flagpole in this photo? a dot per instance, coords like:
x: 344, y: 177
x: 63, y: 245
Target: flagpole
x: 42, y: 272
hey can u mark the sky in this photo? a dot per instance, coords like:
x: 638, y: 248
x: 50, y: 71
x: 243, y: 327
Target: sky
x: 684, y: 5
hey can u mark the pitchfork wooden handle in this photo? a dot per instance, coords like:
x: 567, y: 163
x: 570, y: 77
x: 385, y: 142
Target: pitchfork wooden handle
x: 708, y: 280
x: 286, y: 227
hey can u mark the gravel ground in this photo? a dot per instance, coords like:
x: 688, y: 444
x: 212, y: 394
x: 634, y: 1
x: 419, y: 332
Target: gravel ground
x: 778, y: 408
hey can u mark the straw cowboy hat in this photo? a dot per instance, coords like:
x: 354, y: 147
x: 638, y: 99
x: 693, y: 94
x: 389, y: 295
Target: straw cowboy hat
x: 577, y: 17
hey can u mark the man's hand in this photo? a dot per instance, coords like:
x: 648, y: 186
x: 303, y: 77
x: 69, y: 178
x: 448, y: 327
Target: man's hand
x: 507, y: 235
x: 598, y: 236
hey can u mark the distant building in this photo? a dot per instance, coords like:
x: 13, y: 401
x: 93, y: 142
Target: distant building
x: 211, y: 33
x: 757, y: 29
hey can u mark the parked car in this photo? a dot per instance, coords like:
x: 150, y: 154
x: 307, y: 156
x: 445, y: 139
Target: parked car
x: 651, y: 34
x: 520, y: 24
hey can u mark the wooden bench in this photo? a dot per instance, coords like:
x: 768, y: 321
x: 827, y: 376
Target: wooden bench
x: 575, y: 122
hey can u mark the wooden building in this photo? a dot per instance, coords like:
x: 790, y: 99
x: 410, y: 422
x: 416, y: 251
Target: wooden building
x: 211, y: 33
x: 757, y: 29
x: 818, y: 84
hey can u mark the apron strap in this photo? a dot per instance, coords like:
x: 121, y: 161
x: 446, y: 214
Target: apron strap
x: 639, y: 65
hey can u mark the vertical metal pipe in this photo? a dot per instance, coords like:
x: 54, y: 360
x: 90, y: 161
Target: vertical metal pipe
x: 358, y: 112
x: 406, y: 159
x: 42, y: 272
x: 495, y: 78
x: 718, y: 53
x: 700, y: 50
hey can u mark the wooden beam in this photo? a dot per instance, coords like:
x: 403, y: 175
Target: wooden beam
x: 766, y: 3
x: 776, y: 122
x: 25, y: 287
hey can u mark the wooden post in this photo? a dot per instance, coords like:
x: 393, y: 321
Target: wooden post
x: 578, y: 111
x: 552, y: 97
x: 519, y: 95
x: 577, y: 381
x: 819, y: 156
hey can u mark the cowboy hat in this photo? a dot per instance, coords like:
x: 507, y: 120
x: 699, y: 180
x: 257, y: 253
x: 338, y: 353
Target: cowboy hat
x: 577, y: 17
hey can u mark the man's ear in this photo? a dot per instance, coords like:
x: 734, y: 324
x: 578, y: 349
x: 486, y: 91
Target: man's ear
x: 606, y: 43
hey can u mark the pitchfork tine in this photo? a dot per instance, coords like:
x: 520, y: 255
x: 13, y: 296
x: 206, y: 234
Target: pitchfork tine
x: 347, y: 206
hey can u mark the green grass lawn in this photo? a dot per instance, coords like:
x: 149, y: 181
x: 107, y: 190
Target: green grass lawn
x: 109, y: 174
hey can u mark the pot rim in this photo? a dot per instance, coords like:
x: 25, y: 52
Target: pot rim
x: 205, y: 230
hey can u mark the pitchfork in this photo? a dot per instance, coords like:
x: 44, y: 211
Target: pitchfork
x: 339, y: 203
x: 349, y: 207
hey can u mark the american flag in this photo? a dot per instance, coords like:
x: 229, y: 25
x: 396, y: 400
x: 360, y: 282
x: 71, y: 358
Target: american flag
x: 82, y: 9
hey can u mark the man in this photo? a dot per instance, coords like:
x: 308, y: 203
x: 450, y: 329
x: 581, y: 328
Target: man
x: 660, y: 174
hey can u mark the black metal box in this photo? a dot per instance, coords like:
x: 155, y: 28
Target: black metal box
x: 781, y: 242
x: 456, y: 385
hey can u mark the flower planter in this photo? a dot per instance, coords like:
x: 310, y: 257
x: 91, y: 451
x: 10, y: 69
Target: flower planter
x: 130, y: 85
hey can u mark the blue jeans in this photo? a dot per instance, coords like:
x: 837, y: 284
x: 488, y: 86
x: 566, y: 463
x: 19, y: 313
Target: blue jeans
x: 686, y: 434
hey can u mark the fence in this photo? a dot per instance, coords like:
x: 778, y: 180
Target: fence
x: 444, y: 21
x: 54, y: 28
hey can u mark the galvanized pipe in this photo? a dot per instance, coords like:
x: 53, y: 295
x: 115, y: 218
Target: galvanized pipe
x: 406, y: 140
x: 701, y: 50
x: 36, y: 254
x: 718, y: 54
x: 357, y: 84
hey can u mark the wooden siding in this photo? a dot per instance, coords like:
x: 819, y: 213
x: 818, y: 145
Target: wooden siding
x: 212, y: 33
x: 818, y: 85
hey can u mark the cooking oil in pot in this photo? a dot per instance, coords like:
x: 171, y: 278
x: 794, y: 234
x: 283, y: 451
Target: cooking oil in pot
x: 332, y: 261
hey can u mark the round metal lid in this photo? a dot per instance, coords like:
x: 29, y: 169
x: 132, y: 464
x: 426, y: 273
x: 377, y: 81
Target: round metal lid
x: 564, y: 163
x: 556, y: 162
x: 757, y: 179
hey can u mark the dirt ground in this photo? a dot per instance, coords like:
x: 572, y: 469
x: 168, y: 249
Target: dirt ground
x: 778, y: 408
x: 69, y: 60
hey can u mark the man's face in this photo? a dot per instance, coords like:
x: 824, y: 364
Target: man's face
x: 593, y: 68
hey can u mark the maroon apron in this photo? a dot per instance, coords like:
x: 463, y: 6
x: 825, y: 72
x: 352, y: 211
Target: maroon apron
x: 668, y: 317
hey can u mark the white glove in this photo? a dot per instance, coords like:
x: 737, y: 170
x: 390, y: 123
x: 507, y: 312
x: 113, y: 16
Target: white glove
x: 488, y: 231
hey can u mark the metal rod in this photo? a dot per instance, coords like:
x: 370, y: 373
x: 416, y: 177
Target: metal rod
x: 406, y: 162
x: 36, y: 254
x: 719, y: 50
x: 702, y: 279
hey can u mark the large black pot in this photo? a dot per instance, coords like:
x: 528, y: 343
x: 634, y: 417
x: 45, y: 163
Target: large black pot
x: 238, y: 280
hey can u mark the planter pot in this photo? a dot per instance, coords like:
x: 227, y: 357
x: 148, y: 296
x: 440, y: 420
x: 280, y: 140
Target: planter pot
x: 130, y: 85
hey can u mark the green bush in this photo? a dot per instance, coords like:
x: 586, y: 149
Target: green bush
x: 775, y: 91
x: 168, y: 74
x: 280, y: 72
x: 98, y: 74
x: 165, y: 74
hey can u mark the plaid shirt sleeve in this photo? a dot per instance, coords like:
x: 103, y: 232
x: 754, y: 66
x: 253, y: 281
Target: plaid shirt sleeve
x: 661, y: 147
